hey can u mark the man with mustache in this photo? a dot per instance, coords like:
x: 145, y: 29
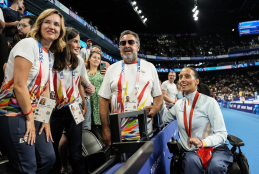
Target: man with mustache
x: 131, y: 77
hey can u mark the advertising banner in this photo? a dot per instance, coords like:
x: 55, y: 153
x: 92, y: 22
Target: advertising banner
x: 250, y: 108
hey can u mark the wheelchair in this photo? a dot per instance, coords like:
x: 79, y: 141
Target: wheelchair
x: 239, y: 166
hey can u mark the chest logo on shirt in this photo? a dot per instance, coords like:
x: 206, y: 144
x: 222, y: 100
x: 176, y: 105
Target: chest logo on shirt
x: 143, y: 72
x: 196, y: 107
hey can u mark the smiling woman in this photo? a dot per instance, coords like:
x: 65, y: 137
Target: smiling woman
x: 68, y: 71
x: 27, y: 78
x: 201, y: 128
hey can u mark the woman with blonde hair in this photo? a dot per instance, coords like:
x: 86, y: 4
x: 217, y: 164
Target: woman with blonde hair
x: 27, y: 142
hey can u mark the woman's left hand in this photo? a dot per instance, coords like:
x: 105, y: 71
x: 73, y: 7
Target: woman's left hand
x: 46, y: 127
x: 196, y: 142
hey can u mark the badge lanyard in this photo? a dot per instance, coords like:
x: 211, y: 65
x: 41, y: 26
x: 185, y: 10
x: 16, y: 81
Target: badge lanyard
x: 189, y: 131
x: 52, y: 92
x: 63, y: 83
x: 123, y: 76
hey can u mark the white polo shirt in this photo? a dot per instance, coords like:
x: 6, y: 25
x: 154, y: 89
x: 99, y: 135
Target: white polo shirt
x: 171, y: 90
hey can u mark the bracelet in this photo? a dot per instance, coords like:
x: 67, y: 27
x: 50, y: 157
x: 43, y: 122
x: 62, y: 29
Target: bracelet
x: 201, y: 144
x: 28, y: 112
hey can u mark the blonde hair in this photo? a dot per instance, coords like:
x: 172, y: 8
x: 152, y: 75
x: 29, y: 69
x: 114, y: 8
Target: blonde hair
x: 58, y: 44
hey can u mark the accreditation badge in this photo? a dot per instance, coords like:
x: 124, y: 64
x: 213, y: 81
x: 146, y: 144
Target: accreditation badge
x: 76, y: 112
x: 44, y: 109
x: 130, y: 104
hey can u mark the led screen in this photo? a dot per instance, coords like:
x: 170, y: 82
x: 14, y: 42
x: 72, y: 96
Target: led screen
x: 249, y: 27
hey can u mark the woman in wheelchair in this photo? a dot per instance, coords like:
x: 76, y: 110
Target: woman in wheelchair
x: 201, y: 128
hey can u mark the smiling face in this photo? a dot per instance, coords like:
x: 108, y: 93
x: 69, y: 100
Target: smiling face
x: 95, y: 60
x: 188, y: 81
x: 50, y: 28
x: 74, y: 45
x: 129, y: 51
x: 171, y: 77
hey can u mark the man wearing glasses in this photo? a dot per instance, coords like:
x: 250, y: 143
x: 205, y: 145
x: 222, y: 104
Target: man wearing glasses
x: 169, y: 89
x: 25, y: 25
x: 131, y: 77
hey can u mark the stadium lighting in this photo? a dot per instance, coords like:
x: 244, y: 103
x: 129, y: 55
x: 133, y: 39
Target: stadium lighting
x: 196, y: 13
x: 134, y: 3
x: 196, y: 18
x: 136, y: 8
x: 139, y: 11
x: 142, y: 17
x: 195, y: 8
x: 233, y: 29
x: 145, y: 20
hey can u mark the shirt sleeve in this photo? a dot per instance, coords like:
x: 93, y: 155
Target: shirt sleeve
x: 217, y: 125
x: 156, y: 91
x: 27, y: 49
x: 168, y: 115
x: 164, y: 86
x: 82, y: 53
x: 105, y: 90
x: 82, y: 67
x: 1, y: 15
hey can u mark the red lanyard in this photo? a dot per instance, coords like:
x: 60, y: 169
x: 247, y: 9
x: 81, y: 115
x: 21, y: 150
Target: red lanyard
x: 189, y: 131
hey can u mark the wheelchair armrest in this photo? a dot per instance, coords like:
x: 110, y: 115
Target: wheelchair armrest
x: 174, y: 147
x: 234, y: 141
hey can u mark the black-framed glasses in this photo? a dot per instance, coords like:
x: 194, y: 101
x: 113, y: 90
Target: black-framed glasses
x: 130, y: 42
x: 22, y: 25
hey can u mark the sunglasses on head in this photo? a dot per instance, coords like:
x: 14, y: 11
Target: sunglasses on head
x: 130, y: 42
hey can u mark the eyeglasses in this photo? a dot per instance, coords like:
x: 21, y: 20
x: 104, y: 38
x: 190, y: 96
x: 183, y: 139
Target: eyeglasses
x: 130, y: 42
x: 22, y: 25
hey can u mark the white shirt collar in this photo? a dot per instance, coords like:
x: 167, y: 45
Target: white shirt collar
x: 191, y: 95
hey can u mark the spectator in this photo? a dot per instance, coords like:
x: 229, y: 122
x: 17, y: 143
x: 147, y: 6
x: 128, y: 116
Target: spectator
x: 96, y: 78
x: 96, y: 47
x: 120, y: 81
x: 25, y: 25
x: 25, y: 66
x: 169, y: 89
x: 85, y: 52
x: 12, y: 18
x: 2, y: 21
x: 179, y: 95
x: 68, y: 70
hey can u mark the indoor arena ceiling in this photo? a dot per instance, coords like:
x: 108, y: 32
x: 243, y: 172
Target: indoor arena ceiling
x: 166, y: 16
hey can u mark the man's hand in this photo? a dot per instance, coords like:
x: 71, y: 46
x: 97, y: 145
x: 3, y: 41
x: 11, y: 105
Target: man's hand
x: 172, y: 103
x: 46, y: 127
x: 90, y: 90
x: 151, y: 111
x: 15, y: 23
x: 196, y: 142
x: 106, y: 136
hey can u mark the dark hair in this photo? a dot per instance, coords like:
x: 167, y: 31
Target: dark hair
x: 62, y: 58
x: 91, y: 54
x: 32, y: 19
x: 196, y: 75
x: 126, y: 32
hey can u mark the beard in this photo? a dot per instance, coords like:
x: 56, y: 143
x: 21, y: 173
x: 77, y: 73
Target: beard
x: 129, y: 58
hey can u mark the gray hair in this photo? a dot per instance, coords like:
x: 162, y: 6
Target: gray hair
x: 172, y: 72
x: 126, y: 32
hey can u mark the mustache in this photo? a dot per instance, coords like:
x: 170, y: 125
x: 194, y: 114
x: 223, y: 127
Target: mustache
x: 127, y: 49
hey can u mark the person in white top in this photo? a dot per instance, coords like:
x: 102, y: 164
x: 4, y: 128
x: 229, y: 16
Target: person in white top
x: 68, y: 70
x: 131, y: 77
x: 85, y: 52
x: 2, y: 21
x: 27, y: 77
x: 201, y: 127
x: 169, y: 89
